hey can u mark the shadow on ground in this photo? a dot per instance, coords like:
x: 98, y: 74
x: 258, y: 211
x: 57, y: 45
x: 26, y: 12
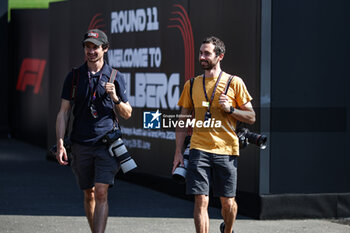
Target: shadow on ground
x: 31, y: 185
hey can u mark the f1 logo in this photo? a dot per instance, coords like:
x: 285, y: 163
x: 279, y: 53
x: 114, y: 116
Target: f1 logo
x: 31, y: 73
x: 151, y: 120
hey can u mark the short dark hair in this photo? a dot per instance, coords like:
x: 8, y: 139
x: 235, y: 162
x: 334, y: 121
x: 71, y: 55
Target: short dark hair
x: 219, y: 44
x: 105, y: 46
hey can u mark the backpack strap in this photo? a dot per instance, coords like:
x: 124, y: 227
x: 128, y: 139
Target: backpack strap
x: 189, y: 132
x: 73, y: 94
x: 113, y: 75
x: 111, y: 80
x: 75, y: 80
x: 191, y: 87
x: 228, y: 84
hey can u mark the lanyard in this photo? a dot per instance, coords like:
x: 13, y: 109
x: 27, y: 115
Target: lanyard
x: 93, y: 93
x: 212, y: 95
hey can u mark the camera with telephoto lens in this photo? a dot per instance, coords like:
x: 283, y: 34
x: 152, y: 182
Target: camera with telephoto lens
x: 118, y: 149
x: 179, y: 175
x: 246, y: 137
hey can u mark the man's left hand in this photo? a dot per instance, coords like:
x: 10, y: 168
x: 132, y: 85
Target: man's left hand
x: 110, y: 89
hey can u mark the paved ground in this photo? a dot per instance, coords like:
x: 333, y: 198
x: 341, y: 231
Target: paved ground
x: 38, y: 196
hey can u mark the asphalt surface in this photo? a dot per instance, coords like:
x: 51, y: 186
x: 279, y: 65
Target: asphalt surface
x: 37, y: 196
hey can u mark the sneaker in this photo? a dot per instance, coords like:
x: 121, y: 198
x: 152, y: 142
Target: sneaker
x: 222, y: 228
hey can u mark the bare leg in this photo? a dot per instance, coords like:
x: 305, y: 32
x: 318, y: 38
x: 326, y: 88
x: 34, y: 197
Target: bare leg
x: 229, y: 212
x: 201, y: 217
x: 89, y: 206
x: 101, y: 208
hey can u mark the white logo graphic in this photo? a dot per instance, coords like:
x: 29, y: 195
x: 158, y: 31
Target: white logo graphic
x: 151, y: 120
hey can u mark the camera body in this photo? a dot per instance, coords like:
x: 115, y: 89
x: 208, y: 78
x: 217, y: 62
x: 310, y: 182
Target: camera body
x: 246, y: 137
x: 117, y: 148
x: 179, y: 175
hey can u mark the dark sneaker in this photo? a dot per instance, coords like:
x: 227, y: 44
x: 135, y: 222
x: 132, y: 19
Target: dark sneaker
x: 222, y: 228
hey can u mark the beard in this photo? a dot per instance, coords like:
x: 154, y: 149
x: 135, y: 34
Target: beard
x: 208, y: 65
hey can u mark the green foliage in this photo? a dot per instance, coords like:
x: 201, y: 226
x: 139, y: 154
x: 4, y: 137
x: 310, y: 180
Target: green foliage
x: 31, y: 4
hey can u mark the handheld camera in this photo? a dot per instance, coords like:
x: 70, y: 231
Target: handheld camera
x: 179, y: 175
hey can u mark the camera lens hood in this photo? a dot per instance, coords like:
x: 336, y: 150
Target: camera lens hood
x: 179, y: 175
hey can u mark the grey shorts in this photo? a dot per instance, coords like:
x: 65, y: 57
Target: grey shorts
x: 93, y: 164
x: 207, y: 170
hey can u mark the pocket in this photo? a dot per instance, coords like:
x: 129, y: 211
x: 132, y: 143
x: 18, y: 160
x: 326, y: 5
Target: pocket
x: 233, y: 160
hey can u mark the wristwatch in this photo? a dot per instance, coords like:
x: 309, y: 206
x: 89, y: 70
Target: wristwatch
x: 232, y: 109
x: 118, y: 102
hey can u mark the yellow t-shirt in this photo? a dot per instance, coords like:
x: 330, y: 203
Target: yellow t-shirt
x: 218, y: 140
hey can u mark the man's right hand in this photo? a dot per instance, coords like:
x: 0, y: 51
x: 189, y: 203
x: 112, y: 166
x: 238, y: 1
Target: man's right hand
x: 61, y: 155
x: 61, y: 125
x: 178, y: 159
